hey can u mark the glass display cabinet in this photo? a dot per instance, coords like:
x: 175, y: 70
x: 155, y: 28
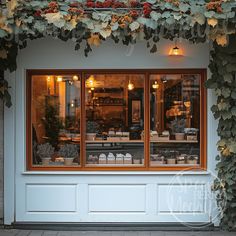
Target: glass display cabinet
x: 116, y: 120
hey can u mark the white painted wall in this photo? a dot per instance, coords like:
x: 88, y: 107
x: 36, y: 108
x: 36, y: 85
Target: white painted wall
x: 1, y: 162
x: 83, y: 196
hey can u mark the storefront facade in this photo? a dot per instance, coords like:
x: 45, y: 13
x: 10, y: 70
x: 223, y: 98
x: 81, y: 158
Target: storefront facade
x: 121, y: 173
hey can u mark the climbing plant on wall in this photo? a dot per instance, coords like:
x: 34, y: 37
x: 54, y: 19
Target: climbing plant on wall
x: 128, y: 21
x: 89, y: 22
x: 223, y: 81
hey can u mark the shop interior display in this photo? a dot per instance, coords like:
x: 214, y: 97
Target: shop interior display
x: 114, y: 120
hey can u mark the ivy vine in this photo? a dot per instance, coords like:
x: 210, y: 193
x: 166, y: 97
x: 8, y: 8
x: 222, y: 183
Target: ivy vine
x: 223, y: 81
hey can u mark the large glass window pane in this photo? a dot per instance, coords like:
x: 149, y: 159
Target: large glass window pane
x: 55, y: 120
x: 174, y: 119
x: 114, y: 119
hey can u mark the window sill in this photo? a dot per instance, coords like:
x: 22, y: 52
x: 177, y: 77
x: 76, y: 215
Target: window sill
x: 116, y: 173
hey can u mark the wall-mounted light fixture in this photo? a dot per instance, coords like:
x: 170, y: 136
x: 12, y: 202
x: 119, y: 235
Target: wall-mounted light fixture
x: 176, y: 51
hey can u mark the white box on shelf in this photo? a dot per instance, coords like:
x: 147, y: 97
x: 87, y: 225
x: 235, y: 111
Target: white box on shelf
x: 128, y: 158
x: 191, y: 137
x: 102, y: 159
x: 111, y: 158
x: 119, y: 158
x: 113, y: 139
x: 155, y: 163
x: 136, y: 161
x: 163, y: 138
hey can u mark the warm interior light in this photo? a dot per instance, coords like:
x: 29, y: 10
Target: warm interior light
x: 175, y: 51
x: 72, y: 103
x: 75, y: 78
x: 187, y: 104
x: 49, y: 79
x: 90, y: 82
x: 130, y: 86
x: 59, y: 79
x: 155, y: 85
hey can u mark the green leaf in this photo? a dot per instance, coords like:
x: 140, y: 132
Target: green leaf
x: 183, y: 7
x: 226, y: 92
x: 134, y: 26
x: 155, y: 16
x: 233, y: 111
x: 199, y: 18
x: 166, y: 14
x: 95, y: 16
x: 226, y: 115
x: 214, y: 108
x: 209, y: 14
x: 210, y: 83
x: 223, y: 106
x: 232, y: 147
x: 228, y: 77
x: 177, y: 16
x: 231, y: 68
x: 105, y: 33
x: 170, y: 20
x: 154, y: 48
x: 3, y: 33
x: 115, y: 26
x: 151, y: 24
x: 233, y: 95
x: 151, y: 1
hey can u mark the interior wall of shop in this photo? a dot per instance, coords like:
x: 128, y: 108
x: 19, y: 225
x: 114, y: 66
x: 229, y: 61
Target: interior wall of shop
x: 1, y: 162
x: 33, y: 196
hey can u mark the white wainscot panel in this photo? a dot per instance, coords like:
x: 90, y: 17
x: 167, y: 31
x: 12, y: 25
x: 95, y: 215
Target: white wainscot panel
x: 117, y: 198
x: 182, y: 198
x: 51, y: 198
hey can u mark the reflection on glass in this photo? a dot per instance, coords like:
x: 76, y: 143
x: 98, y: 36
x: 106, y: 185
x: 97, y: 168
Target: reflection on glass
x: 174, y: 119
x: 114, y: 119
x: 55, y: 117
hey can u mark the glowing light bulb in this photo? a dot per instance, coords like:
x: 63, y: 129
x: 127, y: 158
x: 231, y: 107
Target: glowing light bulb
x: 49, y: 79
x: 176, y: 51
x: 155, y: 85
x: 75, y: 78
x: 90, y: 82
x: 130, y: 86
x: 59, y: 79
x: 72, y: 103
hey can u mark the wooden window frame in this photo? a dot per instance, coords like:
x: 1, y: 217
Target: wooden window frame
x: 146, y: 72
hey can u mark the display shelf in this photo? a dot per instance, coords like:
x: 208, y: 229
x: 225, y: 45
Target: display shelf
x: 141, y: 141
x: 120, y: 141
x: 174, y: 141
x: 57, y: 164
x: 114, y: 165
x: 106, y: 105
x: 171, y: 165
